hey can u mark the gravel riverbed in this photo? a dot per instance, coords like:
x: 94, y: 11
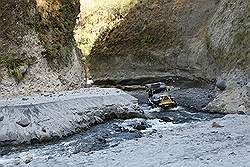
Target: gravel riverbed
x: 194, y: 144
x: 161, y: 144
x: 174, y: 137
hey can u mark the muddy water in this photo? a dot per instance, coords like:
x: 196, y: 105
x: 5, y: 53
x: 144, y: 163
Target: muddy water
x: 102, y: 136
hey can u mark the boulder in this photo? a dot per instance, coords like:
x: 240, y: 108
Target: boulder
x: 221, y: 84
x: 23, y: 122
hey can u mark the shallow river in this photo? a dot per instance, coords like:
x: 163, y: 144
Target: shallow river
x: 102, y: 136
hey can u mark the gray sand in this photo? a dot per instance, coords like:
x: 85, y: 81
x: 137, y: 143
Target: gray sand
x: 43, y: 117
x: 196, y: 144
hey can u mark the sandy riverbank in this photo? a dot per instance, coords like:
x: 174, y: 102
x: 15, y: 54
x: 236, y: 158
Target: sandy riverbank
x: 43, y: 117
x: 195, y: 144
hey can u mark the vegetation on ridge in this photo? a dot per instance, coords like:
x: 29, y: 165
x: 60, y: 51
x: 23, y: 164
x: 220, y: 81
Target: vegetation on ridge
x: 13, y: 29
x: 55, y: 25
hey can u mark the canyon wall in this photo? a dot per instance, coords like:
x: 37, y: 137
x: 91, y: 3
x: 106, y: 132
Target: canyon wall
x: 203, y: 40
x: 37, y: 47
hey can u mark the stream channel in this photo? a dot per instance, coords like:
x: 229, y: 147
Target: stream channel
x: 103, y: 136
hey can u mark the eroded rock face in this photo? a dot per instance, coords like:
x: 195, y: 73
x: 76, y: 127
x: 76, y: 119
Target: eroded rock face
x: 190, y: 38
x: 158, y: 38
x: 37, y: 47
x: 202, y: 40
x: 234, y: 99
x: 229, y: 41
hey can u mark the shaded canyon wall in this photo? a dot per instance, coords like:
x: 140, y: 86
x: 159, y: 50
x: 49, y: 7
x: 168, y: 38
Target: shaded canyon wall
x: 37, y: 48
x: 196, y: 39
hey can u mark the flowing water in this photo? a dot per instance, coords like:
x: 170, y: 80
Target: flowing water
x: 102, y: 136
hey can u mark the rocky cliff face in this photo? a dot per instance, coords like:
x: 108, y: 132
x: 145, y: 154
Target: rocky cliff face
x: 195, y: 39
x: 158, y: 38
x: 37, y: 47
x: 229, y: 36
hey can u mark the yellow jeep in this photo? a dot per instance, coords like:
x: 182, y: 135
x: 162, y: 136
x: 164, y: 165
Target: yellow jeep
x: 167, y: 102
x: 162, y: 100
